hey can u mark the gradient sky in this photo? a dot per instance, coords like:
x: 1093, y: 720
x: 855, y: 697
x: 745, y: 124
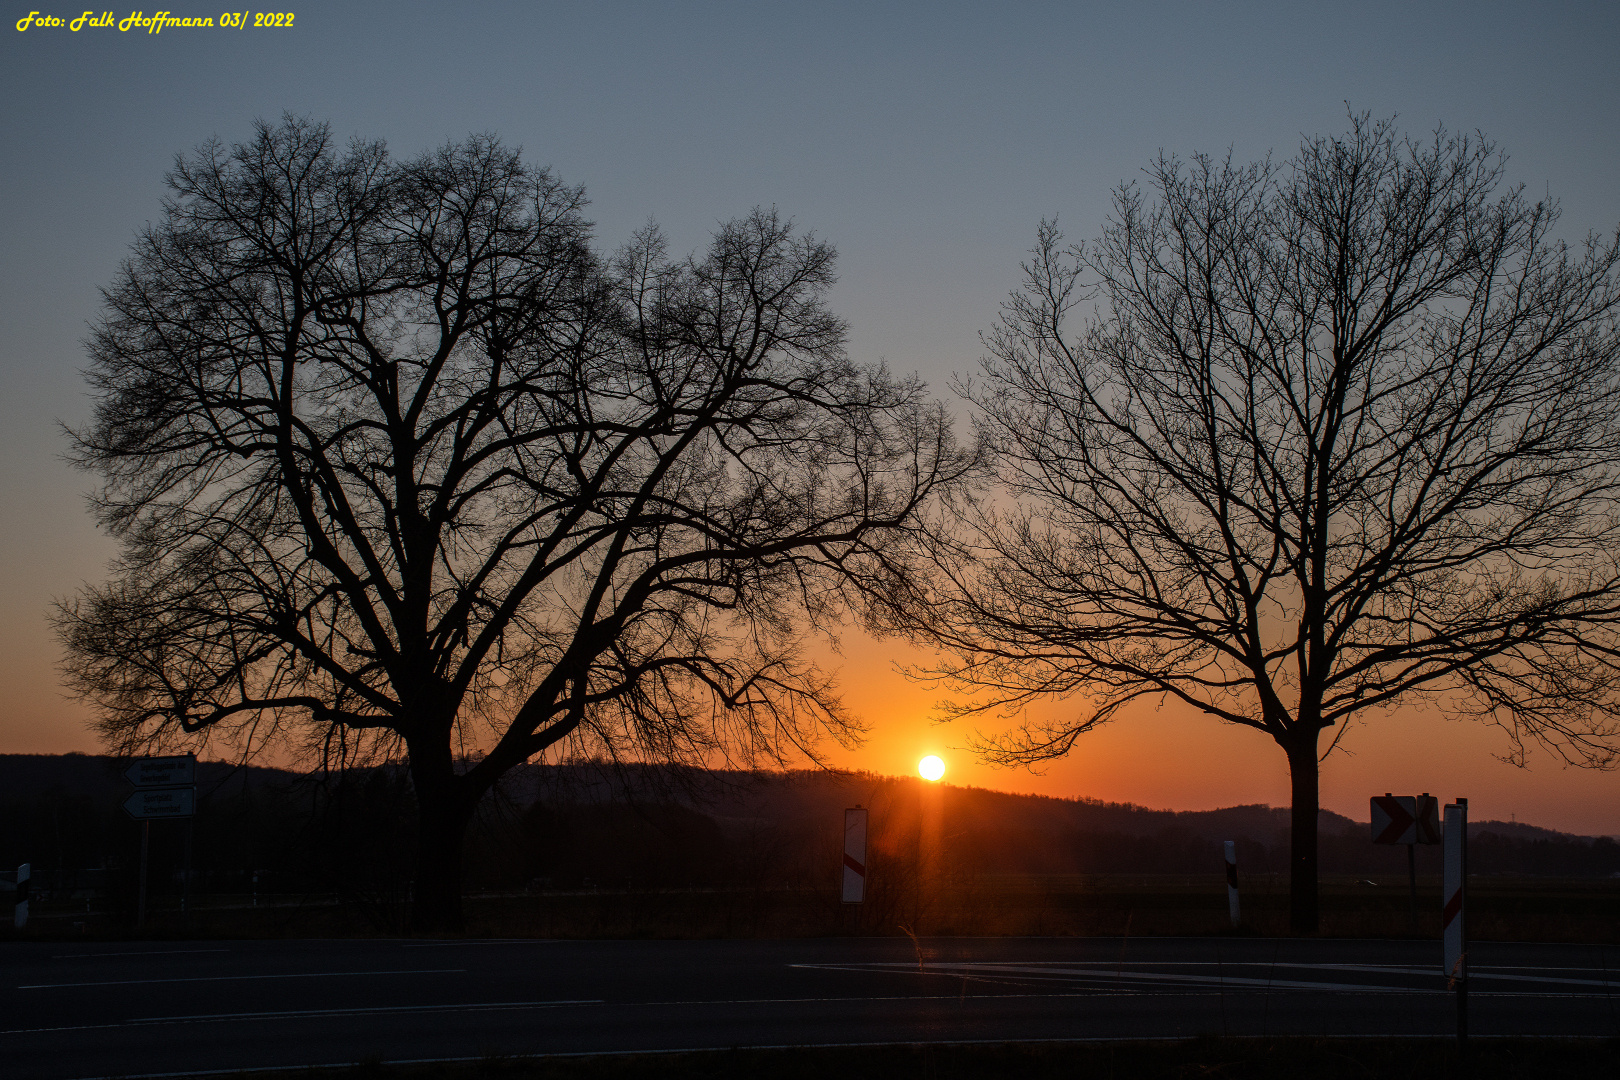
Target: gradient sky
x: 925, y: 140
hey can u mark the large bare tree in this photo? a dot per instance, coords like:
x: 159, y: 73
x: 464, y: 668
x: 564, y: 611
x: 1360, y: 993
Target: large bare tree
x: 398, y: 463
x: 1330, y: 436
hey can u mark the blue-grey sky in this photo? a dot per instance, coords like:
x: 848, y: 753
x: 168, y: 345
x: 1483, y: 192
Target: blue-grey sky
x: 925, y: 140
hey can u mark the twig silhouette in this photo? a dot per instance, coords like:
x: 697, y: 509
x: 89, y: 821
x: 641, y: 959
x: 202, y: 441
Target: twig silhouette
x: 915, y: 944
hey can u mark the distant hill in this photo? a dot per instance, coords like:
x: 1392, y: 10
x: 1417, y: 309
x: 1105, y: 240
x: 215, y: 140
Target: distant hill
x: 30, y: 776
x: 591, y: 822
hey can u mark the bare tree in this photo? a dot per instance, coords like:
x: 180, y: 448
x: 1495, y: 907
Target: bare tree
x: 398, y: 463
x: 1338, y: 435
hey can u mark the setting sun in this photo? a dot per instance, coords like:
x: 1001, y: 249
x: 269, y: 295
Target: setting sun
x: 931, y: 768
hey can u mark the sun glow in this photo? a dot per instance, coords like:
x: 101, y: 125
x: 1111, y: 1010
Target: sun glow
x: 931, y: 768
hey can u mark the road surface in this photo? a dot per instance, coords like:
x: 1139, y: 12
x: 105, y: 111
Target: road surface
x: 126, y: 1009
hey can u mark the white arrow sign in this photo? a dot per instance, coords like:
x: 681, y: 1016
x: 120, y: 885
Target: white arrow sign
x: 161, y: 802
x: 162, y: 771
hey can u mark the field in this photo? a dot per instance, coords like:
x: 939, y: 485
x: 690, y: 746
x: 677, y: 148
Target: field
x: 1501, y: 909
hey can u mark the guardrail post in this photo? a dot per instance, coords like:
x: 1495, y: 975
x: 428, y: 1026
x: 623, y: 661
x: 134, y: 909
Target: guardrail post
x: 1453, y: 915
x: 1231, y: 882
x: 20, y: 919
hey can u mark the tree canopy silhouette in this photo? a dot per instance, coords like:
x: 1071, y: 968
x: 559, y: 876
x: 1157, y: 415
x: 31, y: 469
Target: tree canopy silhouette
x: 1336, y: 435
x: 398, y: 462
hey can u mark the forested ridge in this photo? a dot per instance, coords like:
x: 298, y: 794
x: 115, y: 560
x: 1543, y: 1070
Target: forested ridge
x: 593, y: 826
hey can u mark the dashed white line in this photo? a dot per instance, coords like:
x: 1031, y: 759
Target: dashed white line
x: 137, y: 952
x: 481, y: 1006
x: 238, y: 978
x: 490, y: 941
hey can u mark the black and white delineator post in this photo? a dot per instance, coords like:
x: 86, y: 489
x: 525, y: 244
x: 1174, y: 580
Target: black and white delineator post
x: 1231, y: 880
x: 1453, y: 913
x: 854, y: 855
x: 20, y: 919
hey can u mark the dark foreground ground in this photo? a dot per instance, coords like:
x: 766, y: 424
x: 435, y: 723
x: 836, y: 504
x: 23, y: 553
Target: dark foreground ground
x: 1234, y: 1059
x: 724, y: 1008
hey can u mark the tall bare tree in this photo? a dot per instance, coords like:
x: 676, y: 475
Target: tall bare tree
x: 397, y: 462
x: 1337, y: 435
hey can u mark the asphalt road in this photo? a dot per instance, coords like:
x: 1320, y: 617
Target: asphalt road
x: 110, y: 1009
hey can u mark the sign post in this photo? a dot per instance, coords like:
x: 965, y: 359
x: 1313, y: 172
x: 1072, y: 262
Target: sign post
x: 140, y: 900
x: 1409, y: 820
x: 1231, y: 881
x: 1453, y: 915
x: 1426, y: 825
x: 165, y: 787
x: 854, y: 855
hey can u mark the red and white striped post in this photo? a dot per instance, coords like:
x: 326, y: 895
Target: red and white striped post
x: 20, y: 919
x: 1453, y: 914
x: 1231, y: 880
x: 854, y: 855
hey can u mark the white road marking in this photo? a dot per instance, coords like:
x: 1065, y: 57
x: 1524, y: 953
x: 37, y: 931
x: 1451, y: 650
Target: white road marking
x: 1111, y: 972
x: 235, y: 978
x: 360, y: 1010
x: 491, y: 941
x: 140, y: 952
x: 1475, y: 973
x: 207, y: 1018
x: 1377, y: 969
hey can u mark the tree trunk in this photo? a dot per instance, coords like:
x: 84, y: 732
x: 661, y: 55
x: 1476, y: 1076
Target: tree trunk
x: 443, y: 809
x: 436, y: 897
x: 1302, y: 894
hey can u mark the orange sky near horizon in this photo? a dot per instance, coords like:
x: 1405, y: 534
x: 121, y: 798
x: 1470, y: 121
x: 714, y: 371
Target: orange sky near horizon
x: 1172, y: 757
x: 1164, y: 758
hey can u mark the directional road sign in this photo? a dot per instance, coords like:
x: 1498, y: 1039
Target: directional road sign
x: 161, y: 802
x: 162, y: 771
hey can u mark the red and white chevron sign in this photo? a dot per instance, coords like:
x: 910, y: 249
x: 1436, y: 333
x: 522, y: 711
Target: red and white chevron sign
x: 854, y: 855
x: 1394, y: 819
x: 1428, y: 819
x: 1453, y: 921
